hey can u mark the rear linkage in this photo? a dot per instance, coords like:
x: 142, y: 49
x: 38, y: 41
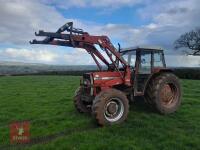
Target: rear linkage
x: 77, y: 38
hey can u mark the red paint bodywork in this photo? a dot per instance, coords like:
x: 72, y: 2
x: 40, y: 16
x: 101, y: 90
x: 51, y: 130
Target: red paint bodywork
x: 107, y: 79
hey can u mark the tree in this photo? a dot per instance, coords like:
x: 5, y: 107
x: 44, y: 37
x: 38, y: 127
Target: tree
x: 189, y: 40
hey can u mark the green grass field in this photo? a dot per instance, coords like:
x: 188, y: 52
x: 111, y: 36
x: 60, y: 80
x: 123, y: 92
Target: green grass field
x: 46, y: 101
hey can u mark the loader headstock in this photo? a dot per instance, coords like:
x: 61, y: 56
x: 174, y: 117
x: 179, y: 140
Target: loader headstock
x: 50, y: 36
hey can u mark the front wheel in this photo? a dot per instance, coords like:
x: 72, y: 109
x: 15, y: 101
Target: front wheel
x: 110, y: 107
x: 80, y: 105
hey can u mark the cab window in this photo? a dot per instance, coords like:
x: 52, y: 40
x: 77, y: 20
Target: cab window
x: 158, y: 61
x: 145, y: 63
x: 130, y: 57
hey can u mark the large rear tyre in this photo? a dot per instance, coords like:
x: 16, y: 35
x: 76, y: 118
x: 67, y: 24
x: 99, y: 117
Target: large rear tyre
x: 164, y: 93
x: 110, y: 107
x: 80, y: 105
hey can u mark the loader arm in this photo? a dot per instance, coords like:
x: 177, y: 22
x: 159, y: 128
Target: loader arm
x: 77, y: 38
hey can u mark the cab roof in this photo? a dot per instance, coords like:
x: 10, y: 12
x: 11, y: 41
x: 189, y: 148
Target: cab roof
x: 150, y: 48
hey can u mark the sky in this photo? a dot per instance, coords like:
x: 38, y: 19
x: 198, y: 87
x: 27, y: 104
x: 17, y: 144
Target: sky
x: 129, y: 22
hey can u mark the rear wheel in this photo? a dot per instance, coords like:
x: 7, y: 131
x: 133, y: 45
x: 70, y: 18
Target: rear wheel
x: 110, y: 107
x: 80, y: 105
x: 164, y: 93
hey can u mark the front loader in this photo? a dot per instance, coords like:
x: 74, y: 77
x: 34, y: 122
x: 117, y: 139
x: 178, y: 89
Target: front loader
x: 130, y: 72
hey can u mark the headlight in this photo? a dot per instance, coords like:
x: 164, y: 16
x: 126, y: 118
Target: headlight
x: 86, y: 82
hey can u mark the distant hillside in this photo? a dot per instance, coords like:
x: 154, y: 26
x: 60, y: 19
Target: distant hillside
x: 15, y: 68
x: 14, y: 63
x: 20, y: 68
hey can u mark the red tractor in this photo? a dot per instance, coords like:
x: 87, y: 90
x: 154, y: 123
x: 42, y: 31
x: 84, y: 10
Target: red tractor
x: 129, y: 73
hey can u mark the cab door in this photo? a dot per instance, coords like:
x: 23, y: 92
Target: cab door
x: 143, y: 71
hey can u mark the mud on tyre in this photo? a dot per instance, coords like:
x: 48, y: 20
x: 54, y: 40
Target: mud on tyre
x: 164, y: 93
x: 80, y: 105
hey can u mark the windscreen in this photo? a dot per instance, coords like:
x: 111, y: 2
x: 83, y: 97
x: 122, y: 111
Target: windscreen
x: 130, y: 57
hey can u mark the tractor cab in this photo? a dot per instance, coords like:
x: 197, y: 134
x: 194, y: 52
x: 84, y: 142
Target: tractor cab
x: 144, y: 62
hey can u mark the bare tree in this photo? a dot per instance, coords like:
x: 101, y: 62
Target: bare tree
x: 189, y: 40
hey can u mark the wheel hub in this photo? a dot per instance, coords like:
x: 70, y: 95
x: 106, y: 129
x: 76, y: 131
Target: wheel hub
x: 167, y: 94
x: 114, y: 110
x: 112, y: 107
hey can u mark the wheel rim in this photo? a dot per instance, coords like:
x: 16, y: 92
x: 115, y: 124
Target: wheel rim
x: 114, y: 110
x: 169, y: 94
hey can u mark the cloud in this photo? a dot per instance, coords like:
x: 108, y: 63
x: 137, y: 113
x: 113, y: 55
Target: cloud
x: 77, y: 57
x: 170, y: 18
x: 21, y: 18
x: 28, y: 55
x: 182, y: 61
x: 66, y: 4
x: 47, y: 56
